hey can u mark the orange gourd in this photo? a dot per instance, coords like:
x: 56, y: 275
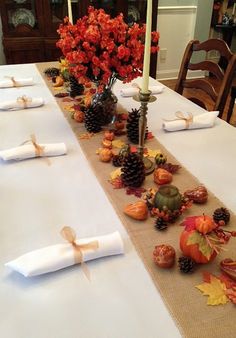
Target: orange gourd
x: 137, y: 210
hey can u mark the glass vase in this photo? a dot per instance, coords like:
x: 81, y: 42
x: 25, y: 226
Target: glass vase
x: 106, y: 103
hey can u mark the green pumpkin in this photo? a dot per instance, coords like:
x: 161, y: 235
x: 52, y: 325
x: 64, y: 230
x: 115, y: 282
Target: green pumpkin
x: 160, y: 158
x: 168, y: 196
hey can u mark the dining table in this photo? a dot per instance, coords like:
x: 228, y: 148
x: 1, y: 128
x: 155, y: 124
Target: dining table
x: 121, y: 299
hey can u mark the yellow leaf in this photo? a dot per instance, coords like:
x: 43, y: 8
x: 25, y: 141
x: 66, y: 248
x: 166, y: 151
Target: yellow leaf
x: 116, y: 173
x: 152, y: 152
x: 118, y: 144
x: 215, y: 290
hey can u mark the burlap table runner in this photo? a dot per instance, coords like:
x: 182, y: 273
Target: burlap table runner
x: 194, y: 318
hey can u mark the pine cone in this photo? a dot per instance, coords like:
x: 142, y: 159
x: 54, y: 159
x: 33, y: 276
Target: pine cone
x: 75, y: 87
x: 186, y: 264
x: 132, y: 126
x: 221, y: 214
x: 52, y: 72
x: 160, y: 224
x: 117, y: 160
x: 92, y: 121
x: 133, y: 171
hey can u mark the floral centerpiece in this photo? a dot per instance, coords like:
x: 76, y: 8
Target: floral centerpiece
x: 99, y: 47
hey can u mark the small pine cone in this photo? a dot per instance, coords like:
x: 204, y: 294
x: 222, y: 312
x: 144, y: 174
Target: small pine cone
x: 160, y: 224
x: 75, y: 87
x: 132, y: 126
x: 221, y: 214
x: 186, y: 264
x: 133, y: 170
x: 92, y: 122
x: 117, y: 160
x: 52, y: 72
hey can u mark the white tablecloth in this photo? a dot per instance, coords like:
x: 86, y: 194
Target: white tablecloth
x: 37, y: 200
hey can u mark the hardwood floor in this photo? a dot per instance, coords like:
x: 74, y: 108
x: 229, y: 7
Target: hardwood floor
x: 171, y: 84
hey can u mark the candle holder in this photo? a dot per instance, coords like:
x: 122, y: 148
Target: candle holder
x: 144, y: 99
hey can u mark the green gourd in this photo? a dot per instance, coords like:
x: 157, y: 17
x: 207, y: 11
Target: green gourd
x: 168, y: 196
x: 160, y: 158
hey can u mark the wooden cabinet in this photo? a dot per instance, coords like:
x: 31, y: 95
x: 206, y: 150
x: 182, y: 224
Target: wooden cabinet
x: 30, y: 26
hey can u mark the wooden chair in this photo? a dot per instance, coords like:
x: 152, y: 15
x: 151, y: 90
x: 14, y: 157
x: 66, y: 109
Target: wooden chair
x: 217, y: 85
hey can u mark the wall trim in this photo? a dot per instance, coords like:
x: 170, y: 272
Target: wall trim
x: 173, y: 74
x: 176, y: 8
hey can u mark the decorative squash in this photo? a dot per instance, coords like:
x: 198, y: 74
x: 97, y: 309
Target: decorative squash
x: 107, y: 143
x: 205, y: 224
x: 160, y: 158
x: 137, y: 210
x: 58, y: 82
x: 228, y: 266
x: 198, y: 195
x: 162, y: 176
x: 192, y: 250
x: 168, y: 196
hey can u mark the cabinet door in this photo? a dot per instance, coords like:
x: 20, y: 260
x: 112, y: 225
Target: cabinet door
x: 113, y: 7
x: 21, y: 17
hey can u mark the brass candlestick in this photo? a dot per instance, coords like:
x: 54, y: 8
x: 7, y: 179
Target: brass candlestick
x: 144, y: 98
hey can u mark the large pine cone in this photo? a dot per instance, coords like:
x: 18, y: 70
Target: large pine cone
x: 133, y: 170
x: 92, y: 121
x: 75, y: 87
x: 132, y: 126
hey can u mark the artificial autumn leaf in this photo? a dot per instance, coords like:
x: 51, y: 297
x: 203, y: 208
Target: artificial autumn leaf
x: 215, y: 290
x: 189, y: 223
x: 116, y: 173
x: 152, y: 152
x: 118, y: 144
x: 197, y: 238
x: 231, y: 294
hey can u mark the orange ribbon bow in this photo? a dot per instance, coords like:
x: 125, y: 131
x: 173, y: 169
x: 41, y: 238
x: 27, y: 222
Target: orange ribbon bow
x: 180, y: 116
x: 70, y: 236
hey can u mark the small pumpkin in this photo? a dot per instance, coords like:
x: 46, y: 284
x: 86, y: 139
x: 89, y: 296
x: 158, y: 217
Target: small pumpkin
x: 162, y: 176
x: 137, y: 210
x: 107, y: 143
x: 105, y: 155
x: 78, y: 116
x: 205, y: 224
x: 109, y: 135
x: 58, y: 82
x: 119, y: 125
x: 168, y: 196
x: 192, y: 250
x: 160, y: 158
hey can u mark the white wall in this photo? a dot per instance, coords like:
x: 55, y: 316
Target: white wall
x: 2, y: 57
x: 176, y: 25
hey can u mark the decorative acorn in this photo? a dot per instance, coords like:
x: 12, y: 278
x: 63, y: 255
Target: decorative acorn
x: 137, y: 210
x: 133, y: 170
x: 92, y: 121
x: 132, y: 126
x: 105, y: 155
x: 169, y: 197
x: 78, y: 116
x: 198, y: 195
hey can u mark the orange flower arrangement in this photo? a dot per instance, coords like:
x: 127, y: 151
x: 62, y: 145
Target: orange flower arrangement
x: 98, y: 47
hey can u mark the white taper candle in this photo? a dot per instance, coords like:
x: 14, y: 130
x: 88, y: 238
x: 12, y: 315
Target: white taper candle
x: 146, y: 61
x: 70, y: 12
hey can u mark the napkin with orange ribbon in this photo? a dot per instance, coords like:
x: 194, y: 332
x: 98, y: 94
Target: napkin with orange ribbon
x: 10, y: 81
x: 183, y: 121
x: 21, y: 102
x: 31, y: 149
x: 59, y: 256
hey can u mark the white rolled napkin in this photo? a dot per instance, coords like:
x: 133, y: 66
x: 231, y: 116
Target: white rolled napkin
x: 59, y: 256
x: 11, y: 81
x: 131, y: 91
x: 29, y: 151
x: 187, y: 121
x: 22, y: 102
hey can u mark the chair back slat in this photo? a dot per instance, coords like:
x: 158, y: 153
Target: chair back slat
x: 209, y: 66
x: 217, y: 90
